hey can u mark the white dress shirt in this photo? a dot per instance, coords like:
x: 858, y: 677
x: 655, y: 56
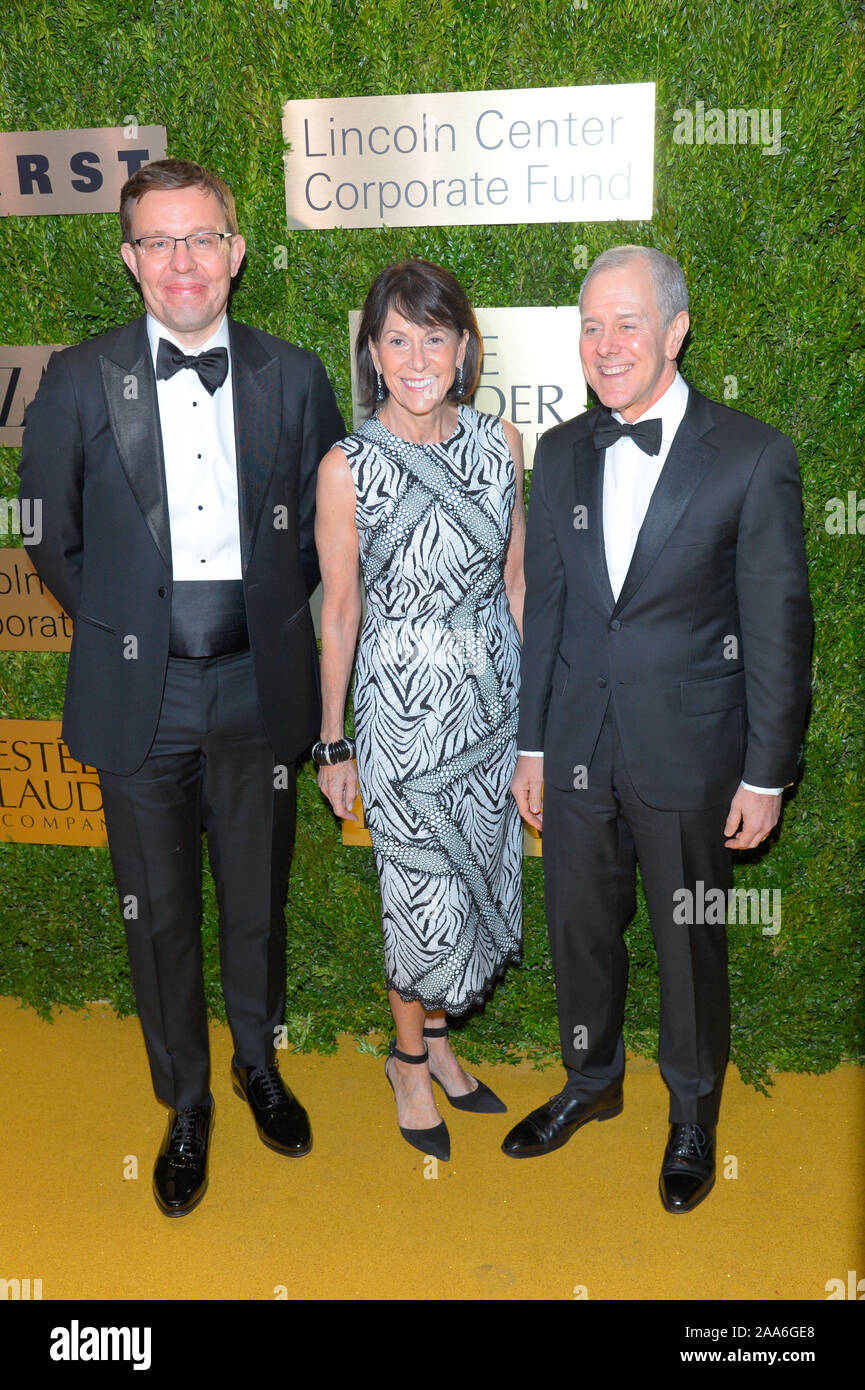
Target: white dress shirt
x: 630, y: 478
x: 200, y: 465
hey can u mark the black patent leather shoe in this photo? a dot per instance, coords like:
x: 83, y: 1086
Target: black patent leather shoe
x: 551, y: 1125
x: 180, y: 1175
x: 688, y: 1169
x: 281, y: 1121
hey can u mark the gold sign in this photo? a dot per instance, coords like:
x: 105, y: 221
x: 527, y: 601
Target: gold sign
x: 355, y: 832
x: 532, y: 843
x: 46, y: 796
x: 31, y: 619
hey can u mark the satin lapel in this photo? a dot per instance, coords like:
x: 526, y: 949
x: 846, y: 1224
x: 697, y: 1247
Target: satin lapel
x: 689, y: 458
x: 589, y: 476
x: 129, y: 385
x: 256, y: 382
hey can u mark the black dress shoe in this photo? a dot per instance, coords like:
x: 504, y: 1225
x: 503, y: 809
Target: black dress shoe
x: 551, y: 1125
x: 688, y: 1169
x: 281, y: 1121
x: 180, y: 1175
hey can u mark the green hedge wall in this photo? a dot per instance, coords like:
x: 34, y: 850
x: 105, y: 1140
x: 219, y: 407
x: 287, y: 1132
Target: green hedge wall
x: 772, y: 252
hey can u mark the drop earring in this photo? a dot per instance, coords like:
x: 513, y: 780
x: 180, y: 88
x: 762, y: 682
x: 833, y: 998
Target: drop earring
x: 379, y: 386
x: 459, y: 380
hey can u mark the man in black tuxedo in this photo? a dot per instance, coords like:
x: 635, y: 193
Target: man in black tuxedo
x: 175, y: 459
x: 664, y: 690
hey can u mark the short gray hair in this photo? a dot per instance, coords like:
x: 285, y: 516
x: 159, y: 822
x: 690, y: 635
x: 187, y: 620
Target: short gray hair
x: 671, y: 292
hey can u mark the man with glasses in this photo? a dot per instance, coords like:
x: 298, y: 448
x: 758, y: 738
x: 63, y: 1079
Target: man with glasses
x: 175, y: 459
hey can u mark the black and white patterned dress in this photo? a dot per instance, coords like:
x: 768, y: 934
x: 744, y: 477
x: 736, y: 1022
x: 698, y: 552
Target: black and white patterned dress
x: 435, y: 704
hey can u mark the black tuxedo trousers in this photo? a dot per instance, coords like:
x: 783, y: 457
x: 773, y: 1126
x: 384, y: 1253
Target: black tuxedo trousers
x: 594, y: 835
x: 210, y: 769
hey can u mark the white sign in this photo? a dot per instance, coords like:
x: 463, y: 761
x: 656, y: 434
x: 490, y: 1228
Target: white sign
x: 21, y: 371
x: 530, y: 371
x: 543, y: 154
x: 44, y: 171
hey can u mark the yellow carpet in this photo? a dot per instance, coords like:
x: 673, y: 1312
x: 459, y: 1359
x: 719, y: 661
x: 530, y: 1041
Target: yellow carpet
x: 360, y: 1219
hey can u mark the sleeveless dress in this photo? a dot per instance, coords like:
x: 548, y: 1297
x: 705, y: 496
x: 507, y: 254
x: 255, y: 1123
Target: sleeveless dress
x: 435, y: 705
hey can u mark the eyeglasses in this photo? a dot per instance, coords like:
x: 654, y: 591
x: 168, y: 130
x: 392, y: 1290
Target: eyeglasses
x: 197, y: 243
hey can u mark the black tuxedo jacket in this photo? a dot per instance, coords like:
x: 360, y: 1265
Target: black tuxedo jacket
x: 705, y: 654
x: 92, y: 456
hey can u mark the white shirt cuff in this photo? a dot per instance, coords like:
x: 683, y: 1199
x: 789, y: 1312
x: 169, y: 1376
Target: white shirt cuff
x: 763, y: 791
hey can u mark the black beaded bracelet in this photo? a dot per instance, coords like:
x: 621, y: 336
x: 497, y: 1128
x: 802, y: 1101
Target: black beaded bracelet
x: 324, y: 754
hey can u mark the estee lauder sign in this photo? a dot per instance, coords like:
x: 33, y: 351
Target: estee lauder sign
x: 543, y: 154
x: 31, y: 619
x: 46, y: 796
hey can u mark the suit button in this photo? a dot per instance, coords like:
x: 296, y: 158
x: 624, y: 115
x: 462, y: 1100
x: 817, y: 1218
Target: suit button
x: 162, y: 591
x: 615, y: 625
x: 602, y: 682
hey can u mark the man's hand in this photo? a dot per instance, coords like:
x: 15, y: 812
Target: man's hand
x: 752, y: 816
x: 527, y: 789
x: 338, y: 781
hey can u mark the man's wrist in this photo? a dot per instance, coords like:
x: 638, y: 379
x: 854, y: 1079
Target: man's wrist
x: 762, y: 791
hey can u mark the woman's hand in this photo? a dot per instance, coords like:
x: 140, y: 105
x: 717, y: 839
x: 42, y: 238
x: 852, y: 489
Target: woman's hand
x: 338, y: 782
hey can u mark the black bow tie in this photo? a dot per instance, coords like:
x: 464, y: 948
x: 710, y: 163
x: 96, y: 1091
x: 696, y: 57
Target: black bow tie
x: 646, y: 433
x: 212, y: 366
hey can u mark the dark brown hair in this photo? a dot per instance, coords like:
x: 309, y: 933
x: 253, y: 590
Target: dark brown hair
x: 425, y: 294
x: 170, y: 174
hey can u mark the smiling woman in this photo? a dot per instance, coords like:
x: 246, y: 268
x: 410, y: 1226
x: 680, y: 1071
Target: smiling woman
x: 427, y: 495
x: 415, y: 300
x: 418, y: 365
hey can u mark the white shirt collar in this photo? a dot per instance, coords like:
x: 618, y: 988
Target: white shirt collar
x: 157, y: 330
x: 669, y: 408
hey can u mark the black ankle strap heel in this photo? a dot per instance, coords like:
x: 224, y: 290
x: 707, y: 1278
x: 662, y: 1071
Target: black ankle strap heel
x: 434, y: 1141
x: 481, y: 1101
